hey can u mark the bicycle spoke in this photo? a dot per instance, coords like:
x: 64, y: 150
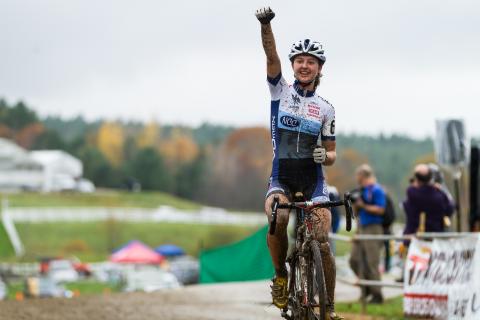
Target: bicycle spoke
x: 316, y: 288
x: 313, y: 302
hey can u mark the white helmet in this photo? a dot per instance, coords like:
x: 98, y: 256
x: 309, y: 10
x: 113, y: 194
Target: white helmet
x: 307, y: 46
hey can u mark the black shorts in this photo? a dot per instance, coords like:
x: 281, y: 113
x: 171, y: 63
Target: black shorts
x: 299, y: 176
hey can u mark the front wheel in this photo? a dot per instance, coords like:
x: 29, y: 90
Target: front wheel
x: 317, y: 293
x: 298, y: 287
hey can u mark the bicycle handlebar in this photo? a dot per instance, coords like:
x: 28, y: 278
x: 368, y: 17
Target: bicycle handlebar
x: 309, y: 205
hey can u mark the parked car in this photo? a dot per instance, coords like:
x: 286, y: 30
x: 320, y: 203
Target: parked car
x: 81, y: 268
x: 149, y: 279
x: 109, y: 272
x: 84, y: 185
x: 185, y: 268
x: 62, y: 271
x: 45, y: 287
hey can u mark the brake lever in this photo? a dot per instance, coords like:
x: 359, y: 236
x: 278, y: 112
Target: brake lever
x: 273, y: 223
x: 348, y: 210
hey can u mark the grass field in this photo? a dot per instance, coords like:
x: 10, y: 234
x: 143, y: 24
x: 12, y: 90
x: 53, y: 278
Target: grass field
x: 80, y: 287
x: 93, y: 241
x: 6, y: 248
x: 392, y: 309
x: 98, y: 199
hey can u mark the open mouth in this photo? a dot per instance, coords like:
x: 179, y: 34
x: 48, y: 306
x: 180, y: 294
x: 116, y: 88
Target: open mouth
x: 304, y: 73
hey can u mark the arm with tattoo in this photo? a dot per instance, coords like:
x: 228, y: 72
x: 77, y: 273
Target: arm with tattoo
x: 273, y: 60
x: 265, y: 15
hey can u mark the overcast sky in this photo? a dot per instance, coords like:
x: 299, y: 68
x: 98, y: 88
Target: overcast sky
x: 392, y: 66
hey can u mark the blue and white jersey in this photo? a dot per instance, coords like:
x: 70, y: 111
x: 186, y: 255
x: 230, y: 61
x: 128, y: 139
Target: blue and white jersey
x: 300, y: 120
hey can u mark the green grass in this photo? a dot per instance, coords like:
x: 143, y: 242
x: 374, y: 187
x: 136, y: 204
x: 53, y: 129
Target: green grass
x: 93, y: 241
x: 13, y: 288
x: 98, y: 199
x: 6, y: 248
x: 392, y: 309
x: 90, y: 287
x: 82, y: 287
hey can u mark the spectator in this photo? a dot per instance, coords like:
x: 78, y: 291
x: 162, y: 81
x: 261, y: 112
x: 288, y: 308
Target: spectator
x: 388, y: 220
x: 370, y: 207
x: 426, y: 202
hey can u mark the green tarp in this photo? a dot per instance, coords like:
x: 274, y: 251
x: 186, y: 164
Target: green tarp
x: 245, y: 260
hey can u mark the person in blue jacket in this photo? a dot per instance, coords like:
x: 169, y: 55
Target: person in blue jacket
x: 370, y: 207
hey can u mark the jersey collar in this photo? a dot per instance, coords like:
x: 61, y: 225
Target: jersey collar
x: 301, y: 91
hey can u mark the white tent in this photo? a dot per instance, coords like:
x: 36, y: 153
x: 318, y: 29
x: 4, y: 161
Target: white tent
x: 17, y: 169
x: 43, y: 170
x: 61, y: 170
x: 13, y: 156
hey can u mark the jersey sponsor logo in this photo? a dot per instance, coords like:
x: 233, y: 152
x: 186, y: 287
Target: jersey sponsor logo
x: 274, y: 133
x: 296, y: 99
x: 314, y: 112
x: 289, y: 121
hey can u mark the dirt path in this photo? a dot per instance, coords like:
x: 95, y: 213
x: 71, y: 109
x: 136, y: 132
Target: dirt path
x: 237, y: 301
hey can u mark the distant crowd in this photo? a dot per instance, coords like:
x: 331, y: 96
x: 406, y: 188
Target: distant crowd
x: 428, y: 207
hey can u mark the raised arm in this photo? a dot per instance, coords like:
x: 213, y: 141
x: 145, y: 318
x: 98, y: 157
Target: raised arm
x: 265, y: 15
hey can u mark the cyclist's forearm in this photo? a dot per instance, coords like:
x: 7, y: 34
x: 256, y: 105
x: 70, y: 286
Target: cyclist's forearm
x: 269, y: 46
x: 331, y: 157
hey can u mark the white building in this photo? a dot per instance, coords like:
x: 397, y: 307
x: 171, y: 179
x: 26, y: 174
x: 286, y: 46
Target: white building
x: 45, y: 170
x: 17, y: 169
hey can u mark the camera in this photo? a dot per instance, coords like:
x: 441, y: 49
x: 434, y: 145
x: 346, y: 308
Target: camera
x: 355, y: 194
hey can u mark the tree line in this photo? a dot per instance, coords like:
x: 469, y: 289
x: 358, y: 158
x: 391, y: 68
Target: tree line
x: 213, y: 164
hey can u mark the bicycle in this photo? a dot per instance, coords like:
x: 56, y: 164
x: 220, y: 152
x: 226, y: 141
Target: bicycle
x: 306, y: 285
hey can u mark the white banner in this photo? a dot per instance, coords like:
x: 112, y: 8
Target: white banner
x: 442, y: 279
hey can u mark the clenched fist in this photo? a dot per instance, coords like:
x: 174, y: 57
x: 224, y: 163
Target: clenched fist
x: 265, y: 15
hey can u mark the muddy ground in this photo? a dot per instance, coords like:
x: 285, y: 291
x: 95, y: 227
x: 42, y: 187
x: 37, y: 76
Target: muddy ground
x: 238, y: 301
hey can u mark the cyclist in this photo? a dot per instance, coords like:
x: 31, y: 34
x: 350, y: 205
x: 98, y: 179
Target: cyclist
x: 303, y: 138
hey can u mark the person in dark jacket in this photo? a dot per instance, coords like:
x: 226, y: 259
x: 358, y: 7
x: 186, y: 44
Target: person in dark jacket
x: 427, y: 204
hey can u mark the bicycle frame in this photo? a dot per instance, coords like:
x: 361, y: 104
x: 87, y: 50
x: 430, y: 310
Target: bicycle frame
x: 300, y: 258
x: 309, y: 206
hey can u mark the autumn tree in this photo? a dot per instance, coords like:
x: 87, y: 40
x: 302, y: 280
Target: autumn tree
x: 241, y: 168
x: 342, y: 173
x: 27, y: 135
x: 5, y: 131
x: 149, y: 136
x: 179, y: 149
x: 110, y: 140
